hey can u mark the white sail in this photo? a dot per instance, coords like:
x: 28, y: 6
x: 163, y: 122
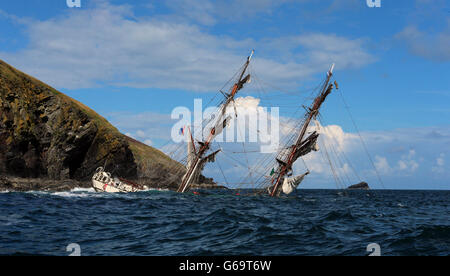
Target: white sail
x: 290, y: 184
x: 191, y: 154
x: 218, y: 129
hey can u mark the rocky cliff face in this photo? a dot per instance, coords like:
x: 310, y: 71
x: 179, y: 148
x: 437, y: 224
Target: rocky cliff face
x: 46, y: 134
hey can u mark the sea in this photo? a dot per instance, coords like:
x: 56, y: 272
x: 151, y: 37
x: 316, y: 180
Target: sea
x: 217, y: 223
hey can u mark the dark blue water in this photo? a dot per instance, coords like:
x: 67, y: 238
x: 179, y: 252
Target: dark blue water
x: 318, y: 222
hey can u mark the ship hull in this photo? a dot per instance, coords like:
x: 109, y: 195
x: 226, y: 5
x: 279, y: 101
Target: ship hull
x: 103, y: 182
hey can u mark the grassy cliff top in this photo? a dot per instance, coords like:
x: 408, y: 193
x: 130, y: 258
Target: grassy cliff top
x: 15, y: 75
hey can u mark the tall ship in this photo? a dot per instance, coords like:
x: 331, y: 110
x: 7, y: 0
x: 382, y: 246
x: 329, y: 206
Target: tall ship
x: 196, y: 152
x: 300, y: 144
x: 282, y: 180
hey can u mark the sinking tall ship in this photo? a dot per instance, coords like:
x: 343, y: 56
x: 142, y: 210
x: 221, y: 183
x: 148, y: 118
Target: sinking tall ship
x: 302, y: 142
x: 198, y: 152
x: 282, y: 179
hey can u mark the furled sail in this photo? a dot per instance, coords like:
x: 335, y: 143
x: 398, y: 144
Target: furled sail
x: 218, y: 129
x: 208, y: 159
x: 191, y: 154
x: 290, y: 184
x: 310, y: 144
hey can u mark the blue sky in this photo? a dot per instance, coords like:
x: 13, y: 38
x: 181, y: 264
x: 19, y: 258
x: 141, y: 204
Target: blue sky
x: 134, y: 61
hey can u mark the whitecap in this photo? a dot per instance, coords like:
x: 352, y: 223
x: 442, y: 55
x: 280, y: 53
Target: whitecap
x: 69, y: 194
x: 157, y: 190
x: 10, y: 220
x: 79, y: 194
x: 37, y: 192
x: 310, y: 199
x: 88, y: 190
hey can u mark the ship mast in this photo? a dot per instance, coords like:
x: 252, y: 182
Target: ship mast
x: 286, y: 165
x: 219, y: 124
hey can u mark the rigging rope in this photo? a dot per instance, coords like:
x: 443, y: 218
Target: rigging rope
x: 362, y: 140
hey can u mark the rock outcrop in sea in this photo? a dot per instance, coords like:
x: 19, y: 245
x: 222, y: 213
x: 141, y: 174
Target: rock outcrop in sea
x: 359, y: 186
x: 47, y: 137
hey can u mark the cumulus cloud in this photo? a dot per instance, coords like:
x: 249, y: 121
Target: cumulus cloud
x: 408, y: 162
x: 336, y: 137
x: 382, y: 165
x: 407, y: 165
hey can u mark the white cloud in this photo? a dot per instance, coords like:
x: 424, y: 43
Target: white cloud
x: 145, y: 126
x: 434, y: 46
x: 439, y: 165
x: 336, y: 137
x: 382, y: 165
x: 408, y: 162
x: 109, y: 45
x: 406, y: 165
x: 209, y: 12
x: 140, y: 134
x: 440, y: 161
x: 148, y: 142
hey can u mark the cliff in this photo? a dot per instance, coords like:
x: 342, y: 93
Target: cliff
x: 45, y: 134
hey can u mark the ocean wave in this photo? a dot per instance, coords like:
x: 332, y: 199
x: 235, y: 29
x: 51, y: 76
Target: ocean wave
x: 156, y: 223
x: 10, y: 220
x: 338, y: 215
x: 71, y: 194
x: 434, y: 232
x: 88, y: 190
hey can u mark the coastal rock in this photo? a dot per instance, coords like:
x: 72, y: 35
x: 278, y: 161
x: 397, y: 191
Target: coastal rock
x: 47, y: 135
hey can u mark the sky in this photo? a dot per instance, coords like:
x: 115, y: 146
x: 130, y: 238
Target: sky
x: 135, y: 61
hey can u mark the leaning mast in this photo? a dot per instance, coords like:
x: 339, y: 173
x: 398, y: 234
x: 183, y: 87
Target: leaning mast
x: 220, y: 123
x: 286, y: 166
